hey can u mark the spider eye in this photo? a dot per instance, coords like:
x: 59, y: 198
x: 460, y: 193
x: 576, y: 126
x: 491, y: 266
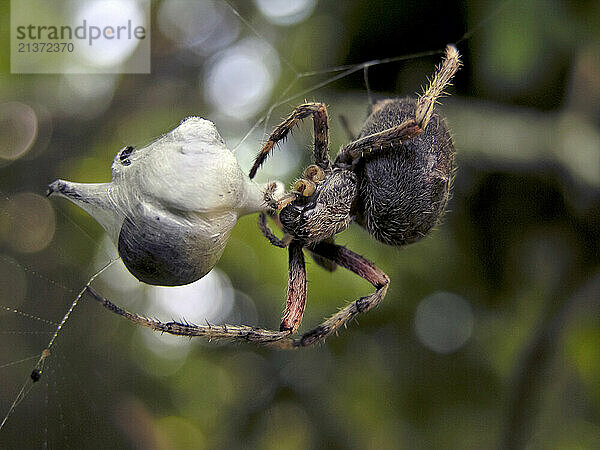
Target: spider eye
x: 314, y: 173
x: 124, y: 155
x: 304, y: 187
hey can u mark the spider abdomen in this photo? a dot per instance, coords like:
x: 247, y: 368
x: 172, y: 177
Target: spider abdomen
x: 403, y: 190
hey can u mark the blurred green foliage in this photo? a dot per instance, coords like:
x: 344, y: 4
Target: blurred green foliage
x: 520, y: 245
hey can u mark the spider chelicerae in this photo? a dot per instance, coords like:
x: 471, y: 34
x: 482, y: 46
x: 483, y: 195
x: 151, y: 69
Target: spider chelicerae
x: 393, y: 179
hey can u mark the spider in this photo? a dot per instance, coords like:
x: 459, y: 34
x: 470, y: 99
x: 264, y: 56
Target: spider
x: 393, y: 179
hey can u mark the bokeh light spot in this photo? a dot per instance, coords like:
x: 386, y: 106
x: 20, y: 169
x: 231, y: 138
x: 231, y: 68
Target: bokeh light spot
x: 110, y: 52
x: 239, y: 80
x: 285, y: 12
x: 210, y: 299
x: 444, y: 322
x: 32, y: 222
x: 18, y: 129
x: 202, y: 27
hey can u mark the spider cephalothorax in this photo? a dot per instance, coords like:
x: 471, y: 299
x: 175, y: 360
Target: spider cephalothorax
x: 393, y: 179
x: 314, y: 217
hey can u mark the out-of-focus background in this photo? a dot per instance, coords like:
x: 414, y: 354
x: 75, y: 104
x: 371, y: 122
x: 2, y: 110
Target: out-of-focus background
x: 489, y: 335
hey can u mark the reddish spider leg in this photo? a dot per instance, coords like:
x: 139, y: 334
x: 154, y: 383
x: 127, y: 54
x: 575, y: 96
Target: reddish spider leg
x: 296, y: 298
x: 412, y: 127
x: 281, y: 339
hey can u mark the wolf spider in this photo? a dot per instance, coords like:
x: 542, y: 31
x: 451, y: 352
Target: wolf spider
x: 394, y: 180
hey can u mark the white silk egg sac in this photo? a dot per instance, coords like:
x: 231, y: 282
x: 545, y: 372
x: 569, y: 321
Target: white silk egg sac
x: 171, y: 206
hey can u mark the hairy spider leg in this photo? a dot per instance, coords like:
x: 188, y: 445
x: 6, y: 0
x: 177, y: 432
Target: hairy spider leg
x: 233, y: 332
x: 412, y: 127
x: 321, y: 132
x: 268, y: 233
x: 296, y: 297
x: 363, y: 268
x: 281, y: 339
x: 441, y: 80
x: 387, y: 138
